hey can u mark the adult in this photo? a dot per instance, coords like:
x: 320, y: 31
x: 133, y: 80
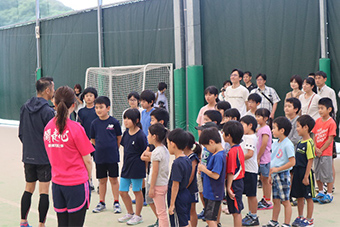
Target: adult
x: 296, y: 85
x: 309, y: 100
x: 68, y: 149
x: 77, y: 91
x: 236, y: 94
x: 34, y: 116
x: 269, y: 96
x: 247, y: 81
x: 323, y: 90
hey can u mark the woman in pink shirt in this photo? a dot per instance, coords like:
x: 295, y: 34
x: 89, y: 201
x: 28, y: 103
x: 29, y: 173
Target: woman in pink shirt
x: 68, y: 150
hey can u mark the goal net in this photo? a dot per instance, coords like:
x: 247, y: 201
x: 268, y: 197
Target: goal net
x: 117, y: 82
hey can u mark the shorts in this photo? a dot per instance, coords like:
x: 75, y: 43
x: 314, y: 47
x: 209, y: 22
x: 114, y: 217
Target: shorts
x: 199, y: 183
x: 193, y: 199
x: 35, y: 172
x: 70, y: 198
x: 298, y: 189
x: 235, y: 206
x: 148, y: 199
x: 264, y: 169
x: 180, y: 216
x: 124, y: 185
x: 107, y: 169
x: 281, y: 185
x: 211, y: 209
x: 250, y: 184
x: 323, y: 167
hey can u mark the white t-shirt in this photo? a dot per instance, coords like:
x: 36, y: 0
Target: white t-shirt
x: 249, y: 142
x: 237, y: 98
x: 160, y: 154
x: 310, y: 105
x: 250, y: 114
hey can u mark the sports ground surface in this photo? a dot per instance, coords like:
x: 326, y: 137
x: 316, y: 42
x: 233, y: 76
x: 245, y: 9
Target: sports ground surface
x: 12, y: 185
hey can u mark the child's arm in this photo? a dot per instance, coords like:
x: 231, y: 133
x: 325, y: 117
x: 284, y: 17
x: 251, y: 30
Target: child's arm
x: 305, y: 180
x: 249, y: 154
x: 93, y: 141
x: 230, y: 178
x: 146, y: 156
x: 210, y: 174
x: 318, y: 152
x: 290, y: 163
x: 154, y: 174
x: 119, y: 139
x: 174, y: 192
x: 265, y: 139
x: 88, y: 164
x: 194, y: 164
x: 272, y: 114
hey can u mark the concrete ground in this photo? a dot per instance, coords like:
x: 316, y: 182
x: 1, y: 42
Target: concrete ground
x: 12, y: 185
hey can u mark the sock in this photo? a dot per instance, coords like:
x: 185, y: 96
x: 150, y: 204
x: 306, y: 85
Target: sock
x: 301, y: 216
x: 25, y: 204
x: 253, y: 215
x: 321, y: 192
x: 116, y: 201
x: 102, y: 202
x: 267, y: 199
x: 275, y: 221
x: 43, y: 207
x: 330, y: 194
x: 143, y: 190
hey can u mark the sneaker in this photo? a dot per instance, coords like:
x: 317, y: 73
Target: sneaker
x: 266, y: 205
x: 248, y: 220
x: 285, y: 225
x: 91, y: 185
x: 259, y: 184
x: 145, y: 204
x: 135, y: 220
x: 318, y: 197
x: 260, y: 203
x: 219, y: 225
x: 297, y: 222
x: 272, y: 223
x: 326, y: 199
x: 293, y: 202
x: 125, y: 218
x: 305, y: 222
x: 133, y: 201
x: 225, y: 210
x: 154, y: 225
x: 201, y: 214
x: 116, y: 208
x: 24, y: 224
x: 99, y: 208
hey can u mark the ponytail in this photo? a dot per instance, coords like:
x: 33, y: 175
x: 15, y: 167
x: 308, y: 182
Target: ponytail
x: 61, y: 117
x: 64, y: 98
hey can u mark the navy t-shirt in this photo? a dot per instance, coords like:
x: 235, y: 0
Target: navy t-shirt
x: 134, y: 146
x: 180, y: 171
x: 105, y: 133
x: 193, y: 186
x: 85, y: 117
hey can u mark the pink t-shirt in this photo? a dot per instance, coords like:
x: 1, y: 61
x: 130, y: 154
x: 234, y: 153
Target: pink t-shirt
x: 65, y: 152
x: 201, y: 114
x: 266, y: 155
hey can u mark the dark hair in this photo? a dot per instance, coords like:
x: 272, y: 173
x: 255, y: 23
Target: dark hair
x: 296, y: 103
x: 235, y: 130
x: 255, y: 97
x: 162, y: 85
x: 227, y: 81
x: 78, y: 87
x: 321, y: 73
x: 103, y: 100
x: 297, y: 79
x: 193, y: 145
x: 161, y: 114
x: 179, y: 137
x: 306, y: 120
x: 233, y: 112
x: 148, y: 96
x: 262, y: 75
x: 209, y: 134
x: 223, y: 105
x: 64, y: 98
x: 263, y: 112
x: 214, y: 115
x: 43, y: 83
x: 311, y: 82
x: 283, y: 123
x: 89, y: 90
x: 159, y: 130
x: 249, y: 120
x: 247, y: 72
x: 327, y: 102
x: 240, y: 73
x: 213, y: 91
x: 312, y: 74
x: 134, y: 116
x: 134, y: 94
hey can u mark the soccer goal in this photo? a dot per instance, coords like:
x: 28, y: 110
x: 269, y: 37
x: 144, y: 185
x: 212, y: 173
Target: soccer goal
x: 117, y: 82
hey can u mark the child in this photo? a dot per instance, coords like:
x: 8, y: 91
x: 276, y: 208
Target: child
x: 233, y: 132
x: 222, y: 106
x: 282, y: 160
x: 147, y: 101
x: 133, y: 100
x: 303, y: 180
x: 178, y: 194
x: 213, y: 175
x: 324, y: 133
x: 159, y: 115
x: 160, y: 98
x: 193, y: 151
x: 292, y: 108
x: 264, y: 144
x: 87, y: 114
x: 133, y: 171
x: 231, y: 114
x: 248, y: 146
x: 210, y: 94
x: 254, y: 100
x: 106, y: 135
x: 159, y: 172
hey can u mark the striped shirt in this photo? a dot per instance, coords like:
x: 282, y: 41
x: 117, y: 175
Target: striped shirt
x: 270, y: 93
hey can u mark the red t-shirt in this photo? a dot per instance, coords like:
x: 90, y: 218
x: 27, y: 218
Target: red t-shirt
x: 235, y: 162
x: 322, y: 130
x: 66, y: 152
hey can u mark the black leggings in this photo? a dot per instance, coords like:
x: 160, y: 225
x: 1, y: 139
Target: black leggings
x: 72, y: 219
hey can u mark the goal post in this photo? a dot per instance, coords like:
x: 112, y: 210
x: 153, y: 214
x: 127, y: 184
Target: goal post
x: 117, y: 82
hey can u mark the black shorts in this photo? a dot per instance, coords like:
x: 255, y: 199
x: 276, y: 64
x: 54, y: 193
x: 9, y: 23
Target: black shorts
x: 211, y: 209
x: 236, y: 206
x: 180, y: 216
x: 107, y: 169
x: 35, y: 172
x: 250, y: 184
x: 299, y: 190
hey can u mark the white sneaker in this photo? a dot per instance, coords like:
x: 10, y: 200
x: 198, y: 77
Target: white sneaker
x: 99, y: 208
x: 135, y: 220
x: 125, y: 218
x: 116, y: 208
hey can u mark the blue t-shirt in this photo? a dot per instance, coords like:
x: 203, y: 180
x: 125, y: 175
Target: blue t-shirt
x: 85, y: 117
x: 193, y: 186
x: 214, y: 189
x: 180, y: 171
x: 145, y: 121
x: 134, y: 146
x: 281, y: 152
x: 105, y: 133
